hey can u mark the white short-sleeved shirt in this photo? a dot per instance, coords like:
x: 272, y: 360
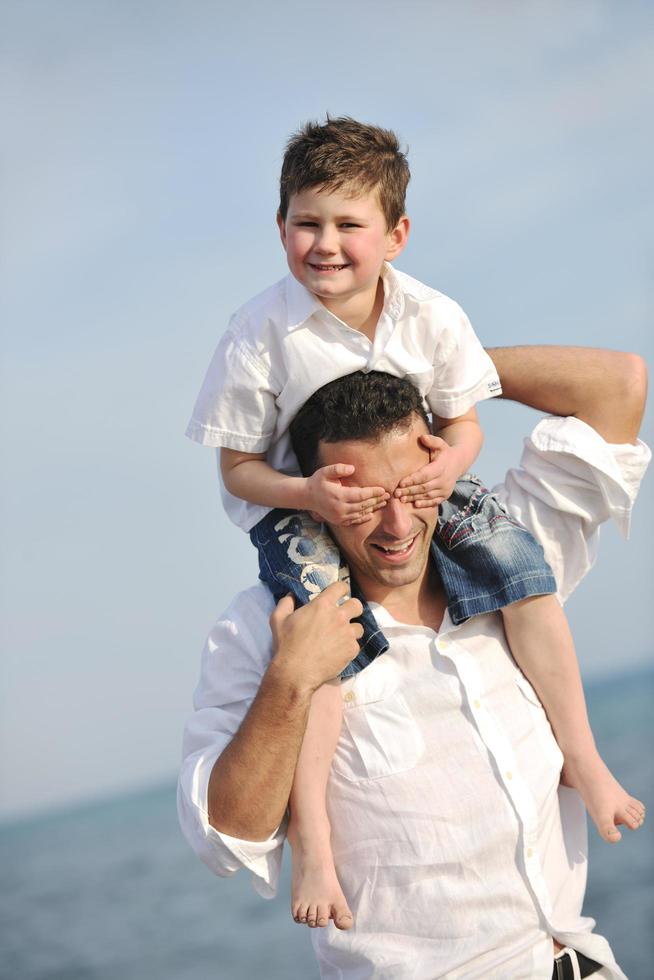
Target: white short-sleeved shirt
x: 284, y: 345
x: 458, y: 851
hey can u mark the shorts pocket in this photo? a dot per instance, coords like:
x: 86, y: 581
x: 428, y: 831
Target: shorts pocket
x: 379, y: 738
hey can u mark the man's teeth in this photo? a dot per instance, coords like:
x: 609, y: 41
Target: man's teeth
x: 401, y: 547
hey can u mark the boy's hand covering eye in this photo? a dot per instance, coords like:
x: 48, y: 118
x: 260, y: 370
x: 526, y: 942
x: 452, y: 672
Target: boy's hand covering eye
x: 434, y: 482
x: 338, y: 504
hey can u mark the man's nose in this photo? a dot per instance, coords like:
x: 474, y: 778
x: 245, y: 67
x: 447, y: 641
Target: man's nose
x: 396, y: 518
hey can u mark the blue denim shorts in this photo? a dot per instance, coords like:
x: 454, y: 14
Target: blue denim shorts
x: 486, y: 560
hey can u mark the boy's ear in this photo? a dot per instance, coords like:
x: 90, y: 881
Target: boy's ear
x: 398, y: 238
x: 282, y: 229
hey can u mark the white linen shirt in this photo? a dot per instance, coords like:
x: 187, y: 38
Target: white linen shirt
x: 284, y: 345
x: 458, y: 851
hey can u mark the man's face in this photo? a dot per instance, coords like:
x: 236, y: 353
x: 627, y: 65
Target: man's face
x: 392, y: 550
x: 336, y: 244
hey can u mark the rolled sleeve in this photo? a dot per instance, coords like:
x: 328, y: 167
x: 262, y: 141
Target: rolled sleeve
x: 569, y: 482
x: 222, y: 854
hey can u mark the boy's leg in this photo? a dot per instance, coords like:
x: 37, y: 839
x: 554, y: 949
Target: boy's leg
x: 542, y: 645
x: 298, y: 556
x: 488, y: 562
x: 316, y: 895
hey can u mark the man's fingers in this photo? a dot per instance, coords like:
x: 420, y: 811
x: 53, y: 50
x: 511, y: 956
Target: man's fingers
x: 337, y: 594
x: 333, y: 593
x: 282, y: 611
x: 352, y: 608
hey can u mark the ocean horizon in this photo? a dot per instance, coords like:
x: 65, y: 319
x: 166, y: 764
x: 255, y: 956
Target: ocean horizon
x: 109, y: 889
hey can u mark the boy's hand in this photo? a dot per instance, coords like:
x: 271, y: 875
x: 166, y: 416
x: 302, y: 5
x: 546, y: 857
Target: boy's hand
x: 338, y: 504
x: 434, y: 482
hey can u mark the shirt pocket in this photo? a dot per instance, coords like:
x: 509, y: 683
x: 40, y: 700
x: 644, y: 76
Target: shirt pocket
x: 379, y: 738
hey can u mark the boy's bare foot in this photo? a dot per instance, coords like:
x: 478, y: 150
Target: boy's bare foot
x: 606, y: 801
x: 316, y: 895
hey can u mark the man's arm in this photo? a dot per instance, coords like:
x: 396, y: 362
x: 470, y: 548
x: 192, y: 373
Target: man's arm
x: 251, y: 781
x: 605, y: 389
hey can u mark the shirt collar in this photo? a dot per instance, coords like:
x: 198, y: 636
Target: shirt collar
x: 301, y: 304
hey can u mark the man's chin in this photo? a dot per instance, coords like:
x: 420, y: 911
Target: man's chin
x: 404, y: 573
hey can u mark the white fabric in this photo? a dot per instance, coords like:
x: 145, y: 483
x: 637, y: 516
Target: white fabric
x: 284, y: 344
x: 457, y: 849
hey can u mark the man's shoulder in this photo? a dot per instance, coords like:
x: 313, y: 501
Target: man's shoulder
x: 249, y: 611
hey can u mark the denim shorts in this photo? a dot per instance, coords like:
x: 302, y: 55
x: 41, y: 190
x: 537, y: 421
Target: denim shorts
x: 485, y: 558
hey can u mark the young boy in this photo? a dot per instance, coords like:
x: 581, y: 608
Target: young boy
x: 344, y: 308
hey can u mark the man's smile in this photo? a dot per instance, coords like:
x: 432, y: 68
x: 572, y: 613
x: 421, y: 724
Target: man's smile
x: 397, y: 552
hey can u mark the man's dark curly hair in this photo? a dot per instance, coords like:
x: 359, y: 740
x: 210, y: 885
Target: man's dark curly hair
x: 358, y: 406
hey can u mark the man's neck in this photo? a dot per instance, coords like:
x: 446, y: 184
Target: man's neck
x: 418, y: 604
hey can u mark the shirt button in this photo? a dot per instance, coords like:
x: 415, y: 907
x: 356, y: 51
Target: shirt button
x: 530, y: 853
x: 509, y: 775
x: 477, y: 704
x: 349, y: 696
x: 444, y: 643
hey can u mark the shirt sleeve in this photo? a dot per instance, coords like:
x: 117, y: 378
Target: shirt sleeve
x: 234, y: 659
x: 569, y: 482
x: 236, y: 406
x: 464, y: 374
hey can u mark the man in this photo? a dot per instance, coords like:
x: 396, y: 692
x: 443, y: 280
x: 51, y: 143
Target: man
x: 458, y: 851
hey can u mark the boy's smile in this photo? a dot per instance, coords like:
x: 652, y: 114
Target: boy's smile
x: 336, y: 246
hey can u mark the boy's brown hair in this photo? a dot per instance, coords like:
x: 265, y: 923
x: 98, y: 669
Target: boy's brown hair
x: 343, y: 153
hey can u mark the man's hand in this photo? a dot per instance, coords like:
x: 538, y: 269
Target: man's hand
x: 337, y: 504
x: 314, y: 643
x: 434, y: 482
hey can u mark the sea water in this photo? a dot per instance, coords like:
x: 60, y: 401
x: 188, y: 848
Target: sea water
x: 111, y: 891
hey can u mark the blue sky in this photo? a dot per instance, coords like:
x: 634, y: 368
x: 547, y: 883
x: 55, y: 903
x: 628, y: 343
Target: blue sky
x: 142, y: 151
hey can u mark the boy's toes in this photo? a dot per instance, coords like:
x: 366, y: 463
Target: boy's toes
x: 611, y: 833
x: 312, y: 916
x: 300, y: 914
x: 634, y: 815
x: 342, y: 917
x: 322, y: 915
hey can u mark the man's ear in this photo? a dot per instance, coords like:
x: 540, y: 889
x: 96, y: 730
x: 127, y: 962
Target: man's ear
x: 281, y: 224
x: 398, y: 238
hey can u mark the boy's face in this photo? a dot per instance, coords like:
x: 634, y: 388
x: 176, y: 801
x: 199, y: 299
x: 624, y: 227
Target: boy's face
x: 336, y: 244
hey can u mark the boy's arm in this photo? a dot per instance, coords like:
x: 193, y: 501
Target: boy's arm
x: 453, y: 449
x: 605, y: 389
x: 464, y: 437
x: 250, y: 477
